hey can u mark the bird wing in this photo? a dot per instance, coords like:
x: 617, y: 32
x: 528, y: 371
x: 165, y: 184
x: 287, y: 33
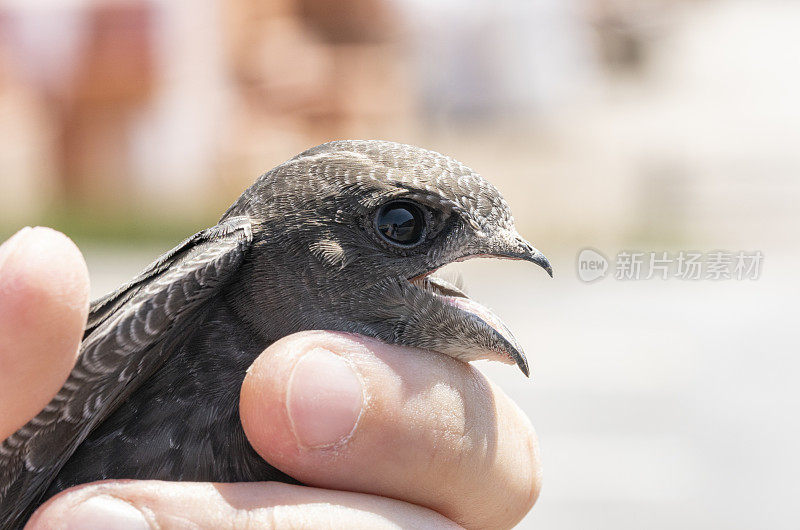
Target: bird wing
x: 123, y: 345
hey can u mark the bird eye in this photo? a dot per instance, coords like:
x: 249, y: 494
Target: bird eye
x: 401, y: 222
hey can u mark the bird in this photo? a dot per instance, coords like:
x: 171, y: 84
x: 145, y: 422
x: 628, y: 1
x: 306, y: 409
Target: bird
x: 346, y: 236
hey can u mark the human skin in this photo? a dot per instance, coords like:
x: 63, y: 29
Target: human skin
x: 383, y: 436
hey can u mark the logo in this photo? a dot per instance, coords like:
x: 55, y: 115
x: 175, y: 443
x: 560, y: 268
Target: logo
x: 592, y: 265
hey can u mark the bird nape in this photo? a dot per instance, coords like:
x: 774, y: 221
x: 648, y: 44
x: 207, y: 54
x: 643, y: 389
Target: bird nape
x: 345, y: 236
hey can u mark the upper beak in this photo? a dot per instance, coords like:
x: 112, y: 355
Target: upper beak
x: 514, y: 246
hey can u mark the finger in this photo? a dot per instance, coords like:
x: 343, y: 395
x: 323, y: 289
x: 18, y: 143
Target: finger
x: 141, y: 505
x: 44, y: 299
x: 341, y: 412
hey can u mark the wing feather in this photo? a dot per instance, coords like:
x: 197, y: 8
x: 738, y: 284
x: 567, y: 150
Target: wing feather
x: 124, y: 343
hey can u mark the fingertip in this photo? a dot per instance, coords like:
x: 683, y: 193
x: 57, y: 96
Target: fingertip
x: 41, y: 268
x: 100, y: 512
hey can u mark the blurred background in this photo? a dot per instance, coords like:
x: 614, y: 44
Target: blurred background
x: 651, y: 125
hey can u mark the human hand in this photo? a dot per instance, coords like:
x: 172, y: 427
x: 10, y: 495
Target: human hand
x: 383, y: 436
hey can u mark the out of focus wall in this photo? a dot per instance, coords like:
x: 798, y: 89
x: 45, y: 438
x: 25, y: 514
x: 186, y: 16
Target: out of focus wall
x: 602, y: 120
x: 167, y: 103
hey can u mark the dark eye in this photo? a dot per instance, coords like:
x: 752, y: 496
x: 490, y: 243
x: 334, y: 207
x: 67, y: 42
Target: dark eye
x: 401, y: 222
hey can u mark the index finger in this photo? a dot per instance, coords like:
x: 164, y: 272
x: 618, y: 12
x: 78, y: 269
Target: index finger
x: 44, y: 300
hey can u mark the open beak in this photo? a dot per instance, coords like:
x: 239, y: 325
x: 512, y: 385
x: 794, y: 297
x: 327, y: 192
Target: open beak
x: 474, y: 331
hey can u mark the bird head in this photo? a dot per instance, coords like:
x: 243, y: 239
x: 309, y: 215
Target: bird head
x: 348, y: 236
